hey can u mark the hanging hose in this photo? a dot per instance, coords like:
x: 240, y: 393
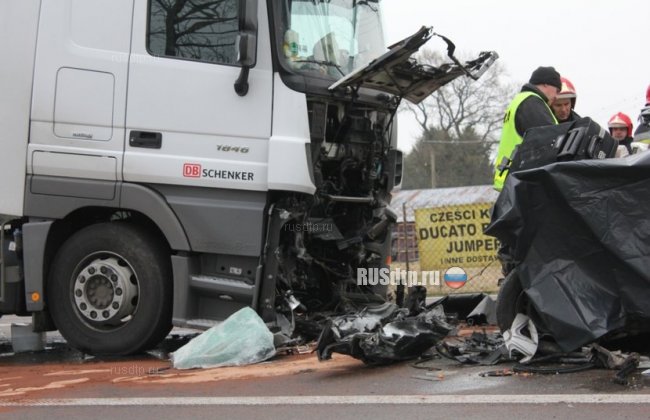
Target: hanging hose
x: 578, y: 361
x: 550, y: 370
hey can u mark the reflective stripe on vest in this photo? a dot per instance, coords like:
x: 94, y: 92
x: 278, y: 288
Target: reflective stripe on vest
x: 510, y: 138
x: 642, y: 137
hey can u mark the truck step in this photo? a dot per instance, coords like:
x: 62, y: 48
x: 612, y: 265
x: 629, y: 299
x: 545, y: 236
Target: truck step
x: 223, y: 286
x: 201, y: 324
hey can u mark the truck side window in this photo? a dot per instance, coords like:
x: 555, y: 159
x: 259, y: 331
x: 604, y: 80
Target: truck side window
x: 203, y: 30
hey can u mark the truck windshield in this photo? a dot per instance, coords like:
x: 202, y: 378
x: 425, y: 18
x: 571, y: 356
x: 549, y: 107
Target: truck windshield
x: 330, y: 37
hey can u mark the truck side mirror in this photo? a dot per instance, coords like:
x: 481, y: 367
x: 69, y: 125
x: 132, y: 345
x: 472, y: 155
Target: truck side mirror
x: 246, y: 43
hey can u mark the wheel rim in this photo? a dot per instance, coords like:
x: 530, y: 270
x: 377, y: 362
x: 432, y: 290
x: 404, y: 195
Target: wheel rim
x: 105, y: 290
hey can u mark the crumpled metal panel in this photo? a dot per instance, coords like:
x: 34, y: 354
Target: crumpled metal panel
x: 395, y: 337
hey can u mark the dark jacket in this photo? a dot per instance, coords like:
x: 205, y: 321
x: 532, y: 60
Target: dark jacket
x: 642, y: 132
x: 627, y: 142
x: 532, y: 112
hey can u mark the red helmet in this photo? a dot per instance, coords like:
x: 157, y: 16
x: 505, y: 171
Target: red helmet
x: 621, y: 120
x: 568, y: 91
x: 647, y: 96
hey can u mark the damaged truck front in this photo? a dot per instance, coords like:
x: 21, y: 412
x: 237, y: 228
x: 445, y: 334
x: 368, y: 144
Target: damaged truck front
x: 188, y: 159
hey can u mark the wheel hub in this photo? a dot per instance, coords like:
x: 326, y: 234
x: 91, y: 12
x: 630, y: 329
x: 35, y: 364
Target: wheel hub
x: 105, y: 290
x: 100, y: 292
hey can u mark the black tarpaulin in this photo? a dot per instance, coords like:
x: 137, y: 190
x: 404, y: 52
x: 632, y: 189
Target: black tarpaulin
x: 581, y: 234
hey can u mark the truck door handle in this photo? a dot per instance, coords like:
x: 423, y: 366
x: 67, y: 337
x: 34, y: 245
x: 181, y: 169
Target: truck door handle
x: 146, y: 139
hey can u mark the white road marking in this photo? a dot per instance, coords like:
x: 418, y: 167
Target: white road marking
x: 338, y: 400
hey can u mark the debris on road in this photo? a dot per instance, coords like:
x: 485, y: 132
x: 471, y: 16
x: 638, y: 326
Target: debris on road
x: 484, y: 313
x: 241, y: 339
x: 556, y: 364
x: 377, y: 340
x: 481, y: 348
x: 430, y: 376
x: 473, y: 308
x: 593, y: 356
x: 497, y: 373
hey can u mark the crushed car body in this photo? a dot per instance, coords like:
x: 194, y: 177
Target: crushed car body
x: 579, y: 232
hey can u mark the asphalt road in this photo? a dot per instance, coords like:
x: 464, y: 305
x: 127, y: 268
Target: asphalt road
x: 62, y: 383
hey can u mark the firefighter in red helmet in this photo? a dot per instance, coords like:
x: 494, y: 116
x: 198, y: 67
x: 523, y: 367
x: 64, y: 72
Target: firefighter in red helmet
x: 620, y: 127
x: 565, y: 102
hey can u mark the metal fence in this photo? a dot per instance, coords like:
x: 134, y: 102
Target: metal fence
x: 439, y: 240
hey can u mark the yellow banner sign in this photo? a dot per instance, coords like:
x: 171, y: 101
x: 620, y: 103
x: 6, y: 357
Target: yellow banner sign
x: 453, y: 236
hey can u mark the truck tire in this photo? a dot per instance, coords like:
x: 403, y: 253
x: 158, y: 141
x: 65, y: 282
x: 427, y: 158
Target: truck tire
x: 109, y: 289
x: 509, y: 300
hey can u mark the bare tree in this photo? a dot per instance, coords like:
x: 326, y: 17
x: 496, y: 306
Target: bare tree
x: 465, y: 103
x: 460, y: 125
x: 198, y: 29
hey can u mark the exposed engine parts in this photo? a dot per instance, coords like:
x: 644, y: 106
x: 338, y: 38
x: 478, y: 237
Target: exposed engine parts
x: 323, y: 239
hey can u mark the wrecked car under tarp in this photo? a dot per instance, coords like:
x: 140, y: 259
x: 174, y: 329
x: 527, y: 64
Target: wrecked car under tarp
x: 580, y: 235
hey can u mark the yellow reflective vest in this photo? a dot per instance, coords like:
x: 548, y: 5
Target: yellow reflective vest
x: 643, y: 137
x: 510, y: 138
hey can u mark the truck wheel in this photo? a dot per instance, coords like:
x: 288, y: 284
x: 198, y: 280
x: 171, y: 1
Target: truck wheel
x: 110, y: 289
x: 510, y: 300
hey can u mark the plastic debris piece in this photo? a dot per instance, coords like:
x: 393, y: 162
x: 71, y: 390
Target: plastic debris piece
x: 496, y: 373
x: 242, y: 339
x: 629, y: 365
x: 471, y: 307
x: 516, y: 339
x: 611, y: 359
x: 427, y: 377
x: 484, y: 348
x: 483, y: 313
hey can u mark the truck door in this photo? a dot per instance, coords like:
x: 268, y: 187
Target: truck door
x: 79, y: 94
x: 186, y: 125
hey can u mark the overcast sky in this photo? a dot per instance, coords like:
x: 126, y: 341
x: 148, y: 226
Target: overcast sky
x: 601, y: 46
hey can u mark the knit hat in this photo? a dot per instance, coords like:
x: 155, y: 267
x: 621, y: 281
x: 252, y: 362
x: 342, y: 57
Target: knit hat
x: 546, y: 76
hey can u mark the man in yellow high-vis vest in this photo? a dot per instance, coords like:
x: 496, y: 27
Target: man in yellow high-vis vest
x: 529, y: 108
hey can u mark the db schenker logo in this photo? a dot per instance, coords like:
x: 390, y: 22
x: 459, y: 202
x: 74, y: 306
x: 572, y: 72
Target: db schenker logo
x: 192, y: 170
x: 455, y: 277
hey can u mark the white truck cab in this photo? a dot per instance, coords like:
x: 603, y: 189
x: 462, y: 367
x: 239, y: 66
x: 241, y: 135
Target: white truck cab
x: 168, y: 162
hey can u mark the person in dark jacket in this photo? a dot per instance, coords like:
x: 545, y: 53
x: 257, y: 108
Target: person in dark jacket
x: 529, y: 108
x: 642, y: 133
x: 565, y: 103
